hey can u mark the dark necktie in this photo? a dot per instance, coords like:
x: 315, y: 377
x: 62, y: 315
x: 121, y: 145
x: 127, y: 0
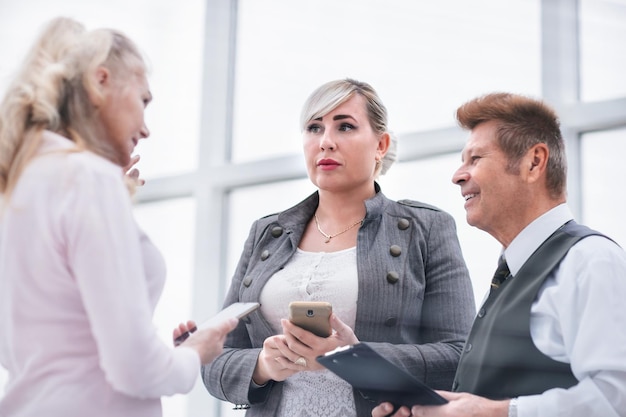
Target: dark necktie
x: 502, y: 273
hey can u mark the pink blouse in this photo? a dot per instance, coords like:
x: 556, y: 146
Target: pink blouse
x: 79, y: 282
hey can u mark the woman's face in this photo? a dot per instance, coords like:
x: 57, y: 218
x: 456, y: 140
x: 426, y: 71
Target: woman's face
x: 341, y: 148
x: 122, y: 114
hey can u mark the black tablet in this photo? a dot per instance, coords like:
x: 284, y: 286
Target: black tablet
x: 378, y: 379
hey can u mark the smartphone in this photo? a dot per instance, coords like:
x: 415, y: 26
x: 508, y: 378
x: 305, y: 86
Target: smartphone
x: 235, y: 310
x: 313, y: 316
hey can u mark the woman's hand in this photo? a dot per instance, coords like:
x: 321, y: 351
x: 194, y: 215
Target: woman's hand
x: 385, y: 409
x: 275, y: 362
x: 304, y: 346
x: 295, y: 350
x: 133, y: 173
x: 208, y: 342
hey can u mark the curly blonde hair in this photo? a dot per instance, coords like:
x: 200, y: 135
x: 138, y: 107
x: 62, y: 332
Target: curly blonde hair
x: 51, y: 92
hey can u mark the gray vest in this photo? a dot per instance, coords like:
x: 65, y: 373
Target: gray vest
x: 500, y: 359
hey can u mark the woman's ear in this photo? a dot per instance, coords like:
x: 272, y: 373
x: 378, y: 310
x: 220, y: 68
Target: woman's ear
x: 383, y: 144
x: 96, y: 84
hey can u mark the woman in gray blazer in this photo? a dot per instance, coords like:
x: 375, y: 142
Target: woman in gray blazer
x: 393, y: 272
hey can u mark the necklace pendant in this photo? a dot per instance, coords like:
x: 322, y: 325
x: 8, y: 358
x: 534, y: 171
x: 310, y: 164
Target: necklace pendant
x: 327, y: 239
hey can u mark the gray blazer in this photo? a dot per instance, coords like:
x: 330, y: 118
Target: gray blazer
x: 415, y: 298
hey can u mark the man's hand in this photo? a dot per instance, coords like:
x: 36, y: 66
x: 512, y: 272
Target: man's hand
x: 460, y: 405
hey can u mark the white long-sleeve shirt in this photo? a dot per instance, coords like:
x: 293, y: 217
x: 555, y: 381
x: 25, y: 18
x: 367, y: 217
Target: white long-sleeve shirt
x: 579, y: 317
x: 79, y: 282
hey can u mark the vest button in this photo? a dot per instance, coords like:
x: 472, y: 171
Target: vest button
x: 403, y: 224
x: 277, y: 231
x: 481, y: 313
x: 392, y: 277
x: 455, y: 385
x: 395, y: 250
x: 468, y: 347
x: 247, y: 281
x: 265, y: 255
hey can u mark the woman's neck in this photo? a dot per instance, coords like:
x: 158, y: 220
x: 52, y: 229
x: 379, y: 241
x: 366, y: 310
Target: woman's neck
x: 342, y: 207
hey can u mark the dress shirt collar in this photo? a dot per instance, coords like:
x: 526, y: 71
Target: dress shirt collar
x: 533, y: 235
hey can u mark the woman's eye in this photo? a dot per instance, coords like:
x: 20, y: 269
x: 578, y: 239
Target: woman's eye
x: 314, y: 128
x: 346, y: 127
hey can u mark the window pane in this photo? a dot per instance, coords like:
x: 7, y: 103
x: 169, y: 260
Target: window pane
x: 424, y: 58
x: 170, y: 225
x: 602, y: 170
x: 603, y: 62
x: 161, y: 28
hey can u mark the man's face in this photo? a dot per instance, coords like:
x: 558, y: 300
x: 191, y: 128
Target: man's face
x: 495, y: 198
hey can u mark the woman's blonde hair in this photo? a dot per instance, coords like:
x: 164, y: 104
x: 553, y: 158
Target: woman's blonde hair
x: 52, y: 91
x: 332, y: 94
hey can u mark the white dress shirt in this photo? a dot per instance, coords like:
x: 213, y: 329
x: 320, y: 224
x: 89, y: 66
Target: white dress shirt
x: 78, y: 286
x: 579, y: 317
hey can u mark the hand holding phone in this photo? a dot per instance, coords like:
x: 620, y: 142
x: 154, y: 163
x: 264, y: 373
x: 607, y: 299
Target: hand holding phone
x: 313, y: 316
x: 235, y: 310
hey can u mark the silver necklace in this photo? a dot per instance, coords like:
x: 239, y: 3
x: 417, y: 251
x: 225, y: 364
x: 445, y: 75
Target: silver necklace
x: 327, y: 236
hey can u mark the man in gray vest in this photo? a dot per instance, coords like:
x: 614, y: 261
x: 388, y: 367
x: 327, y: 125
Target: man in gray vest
x: 550, y: 337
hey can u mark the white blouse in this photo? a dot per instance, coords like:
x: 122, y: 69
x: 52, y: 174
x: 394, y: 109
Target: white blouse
x: 314, y: 276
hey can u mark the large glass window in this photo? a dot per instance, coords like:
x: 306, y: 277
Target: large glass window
x: 424, y: 58
x: 170, y: 225
x: 169, y: 33
x: 603, y: 62
x: 602, y: 172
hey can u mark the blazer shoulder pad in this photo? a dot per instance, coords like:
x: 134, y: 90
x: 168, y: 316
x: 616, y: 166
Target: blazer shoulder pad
x: 268, y: 216
x: 418, y: 204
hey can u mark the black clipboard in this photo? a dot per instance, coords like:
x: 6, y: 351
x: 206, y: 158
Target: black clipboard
x: 378, y: 379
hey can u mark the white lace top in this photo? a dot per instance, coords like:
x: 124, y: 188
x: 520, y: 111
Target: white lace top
x: 314, y: 276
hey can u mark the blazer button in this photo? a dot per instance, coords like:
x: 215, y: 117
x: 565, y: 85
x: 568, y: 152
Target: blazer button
x: 481, y: 313
x: 265, y: 255
x: 247, y: 281
x: 277, y: 231
x: 403, y: 224
x: 391, y: 321
x: 392, y: 277
x: 395, y: 250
